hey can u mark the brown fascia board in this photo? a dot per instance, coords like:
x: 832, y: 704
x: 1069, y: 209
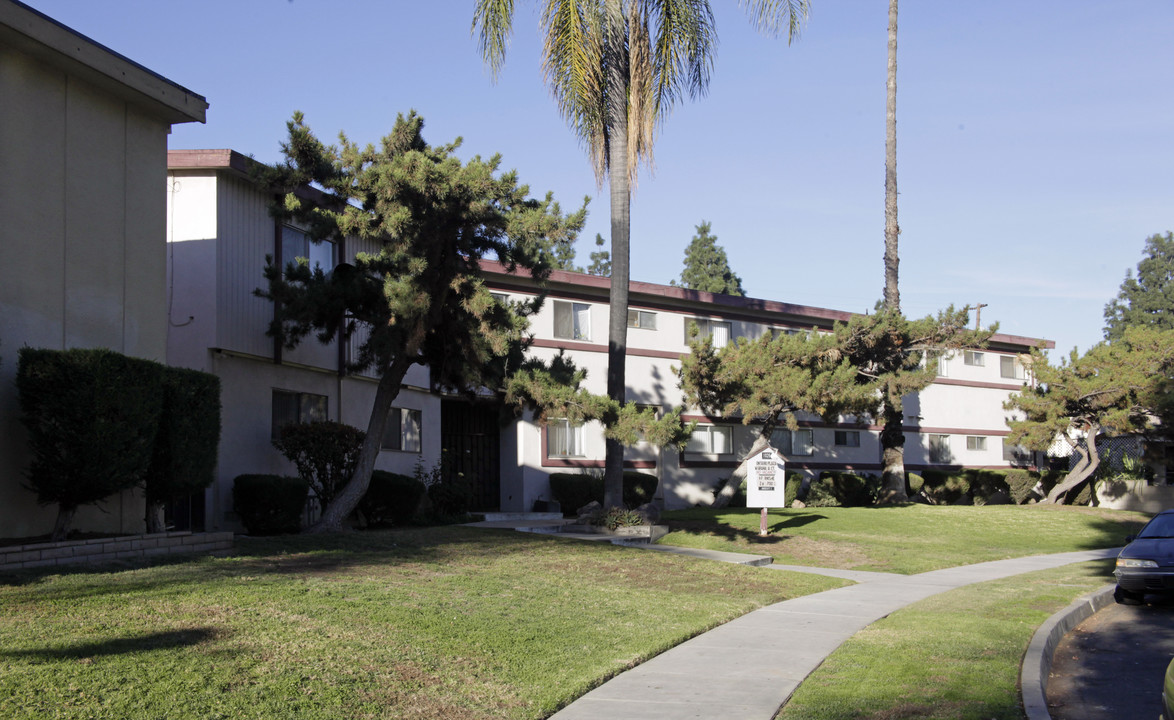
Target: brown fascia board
x: 232, y: 162
x: 41, y: 37
x: 694, y: 299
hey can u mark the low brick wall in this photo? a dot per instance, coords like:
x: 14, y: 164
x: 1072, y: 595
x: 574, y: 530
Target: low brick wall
x: 101, y: 550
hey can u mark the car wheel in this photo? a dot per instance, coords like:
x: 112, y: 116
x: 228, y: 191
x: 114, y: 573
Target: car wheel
x: 1127, y: 597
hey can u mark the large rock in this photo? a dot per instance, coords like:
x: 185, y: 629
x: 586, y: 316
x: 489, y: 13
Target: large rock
x: 589, y: 513
x: 649, y: 512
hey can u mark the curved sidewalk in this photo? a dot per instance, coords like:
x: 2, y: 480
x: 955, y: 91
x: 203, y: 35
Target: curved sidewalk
x: 749, y: 667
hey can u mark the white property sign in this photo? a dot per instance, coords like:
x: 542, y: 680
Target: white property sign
x: 765, y: 480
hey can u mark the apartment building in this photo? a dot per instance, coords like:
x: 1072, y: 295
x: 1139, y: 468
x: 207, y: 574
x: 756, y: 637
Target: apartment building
x: 219, y: 233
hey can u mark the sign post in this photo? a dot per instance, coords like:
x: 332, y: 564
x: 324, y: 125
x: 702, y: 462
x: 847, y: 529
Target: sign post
x: 765, y: 483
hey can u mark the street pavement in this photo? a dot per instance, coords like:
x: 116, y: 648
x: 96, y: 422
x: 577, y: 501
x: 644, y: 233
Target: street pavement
x: 1111, y: 666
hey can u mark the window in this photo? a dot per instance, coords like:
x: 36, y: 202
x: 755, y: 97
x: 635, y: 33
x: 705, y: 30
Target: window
x: 403, y: 430
x: 642, y: 319
x: 1016, y: 454
x: 975, y: 442
x: 793, y: 442
x: 718, y: 330
x: 500, y: 297
x: 1009, y: 367
x: 711, y: 440
x: 564, y: 439
x: 296, y: 244
x: 939, y: 449
x: 944, y: 365
x: 972, y: 357
x: 848, y: 438
x: 572, y: 321
x: 294, y: 407
x: 776, y: 332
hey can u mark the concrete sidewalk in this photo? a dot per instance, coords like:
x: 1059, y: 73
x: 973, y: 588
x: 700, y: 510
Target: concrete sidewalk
x: 749, y: 667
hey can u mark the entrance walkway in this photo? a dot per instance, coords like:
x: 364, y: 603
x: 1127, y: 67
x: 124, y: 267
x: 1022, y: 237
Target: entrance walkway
x: 749, y: 667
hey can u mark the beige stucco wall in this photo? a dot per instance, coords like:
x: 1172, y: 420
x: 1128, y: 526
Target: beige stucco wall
x: 81, y: 248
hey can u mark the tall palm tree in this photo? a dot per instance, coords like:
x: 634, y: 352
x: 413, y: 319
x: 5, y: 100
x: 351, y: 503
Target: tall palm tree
x: 892, y: 436
x: 616, y: 68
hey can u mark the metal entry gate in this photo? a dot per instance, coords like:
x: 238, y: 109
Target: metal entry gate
x: 470, y: 435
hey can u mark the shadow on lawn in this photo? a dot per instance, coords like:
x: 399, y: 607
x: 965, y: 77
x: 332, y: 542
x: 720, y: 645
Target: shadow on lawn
x: 120, y: 646
x: 751, y: 536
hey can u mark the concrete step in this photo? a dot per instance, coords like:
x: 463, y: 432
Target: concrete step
x: 521, y: 516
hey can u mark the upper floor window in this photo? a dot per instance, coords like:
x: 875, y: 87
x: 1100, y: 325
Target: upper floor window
x: 794, y: 442
x: 564, y: 438
x: 1010, y: 367
x: 572, y: 320
x: 717, y: 330
x: 642, y: 319
x: 295, y: 407
x: 296, y: 244
x: 973, y: 357
x: 711, y: 440
x: 944, y: 365
x: 403, y: 430
x: 848, y: 438
x: 975, y: 442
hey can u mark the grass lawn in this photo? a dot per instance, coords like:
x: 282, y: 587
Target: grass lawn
x: 955, y: 655
x: 426, y: 623
x: 907, y: 539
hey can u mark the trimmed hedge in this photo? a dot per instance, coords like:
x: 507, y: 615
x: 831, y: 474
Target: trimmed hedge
x: 391, y: 499
x: 574, y: 490
x: 92, y: 417
x: 325, y: 453
x: 184, y: 460
x: 842, y: 489
x: 270, y: 504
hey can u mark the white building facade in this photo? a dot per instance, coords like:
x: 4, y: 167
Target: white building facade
x: 220, y: 231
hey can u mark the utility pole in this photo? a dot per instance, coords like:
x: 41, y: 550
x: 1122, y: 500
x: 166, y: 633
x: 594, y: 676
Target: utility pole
x: 978, y: 315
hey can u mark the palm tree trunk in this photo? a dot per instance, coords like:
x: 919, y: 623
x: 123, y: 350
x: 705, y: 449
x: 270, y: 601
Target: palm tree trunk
x: 343, y: 504
x: 621, y: 199
x: 892, y: 435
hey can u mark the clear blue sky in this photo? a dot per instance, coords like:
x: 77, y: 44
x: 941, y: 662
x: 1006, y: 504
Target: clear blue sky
x: 1035, y: 139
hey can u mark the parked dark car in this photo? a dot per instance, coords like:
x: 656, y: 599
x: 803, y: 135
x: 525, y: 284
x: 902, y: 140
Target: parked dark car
x: 1146, y: 564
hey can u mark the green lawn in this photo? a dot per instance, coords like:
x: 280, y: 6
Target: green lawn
x: 955, y: 655
x: 428, y: 623
x: 907, y: 539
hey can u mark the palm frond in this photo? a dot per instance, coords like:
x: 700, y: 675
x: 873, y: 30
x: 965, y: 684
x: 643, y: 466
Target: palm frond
x: 492, y: 23
x: 774, y: 16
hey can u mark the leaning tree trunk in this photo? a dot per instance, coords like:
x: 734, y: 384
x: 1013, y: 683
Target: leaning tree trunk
x: 345, y: 502
x: 892, y: 437
x: 1082, y: 472
x: 618, y: 184
x: 154, y: 518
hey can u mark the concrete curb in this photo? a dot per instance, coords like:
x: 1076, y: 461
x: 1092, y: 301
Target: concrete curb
x: 1037, y: 661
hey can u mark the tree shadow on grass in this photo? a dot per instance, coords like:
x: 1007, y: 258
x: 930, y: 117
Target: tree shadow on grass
x: 715, y: 528
x: 120, y: 646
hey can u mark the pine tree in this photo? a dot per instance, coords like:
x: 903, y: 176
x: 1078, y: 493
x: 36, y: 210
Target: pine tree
x: 706, y: 266
x: 1147, y: 299
x: 600, y: 259
x: 420, y: 297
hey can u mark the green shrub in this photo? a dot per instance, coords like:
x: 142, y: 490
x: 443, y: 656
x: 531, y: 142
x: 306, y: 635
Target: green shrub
x: 1020, y: 483
x: 184, y: 458
x: 638, y: 488
x: 391, y: 499
x: 270, y: 504
x: 574, y: 490
x: 450, y: 493
x: 913, y: 483
x: 985, y: 483
x: 325, y: 454
x: 944, y: 488
x: 835, y: 488
x: 620, y: 517
x: 92, y: 417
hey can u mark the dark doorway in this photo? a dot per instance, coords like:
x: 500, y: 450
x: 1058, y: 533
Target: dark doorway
x: 470, y: 436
